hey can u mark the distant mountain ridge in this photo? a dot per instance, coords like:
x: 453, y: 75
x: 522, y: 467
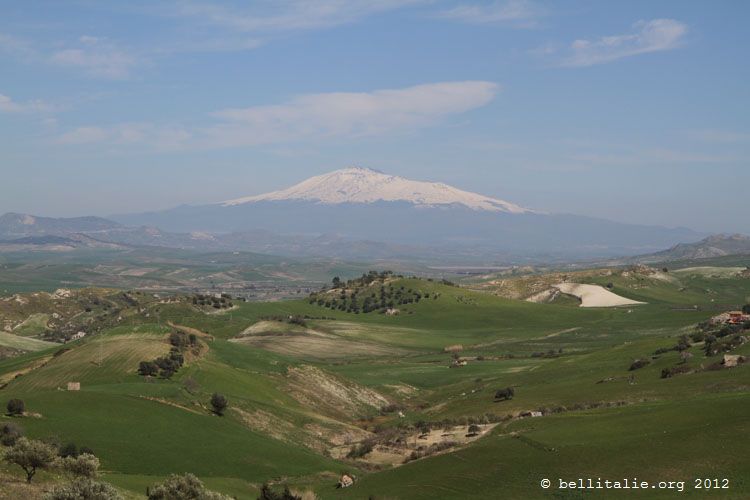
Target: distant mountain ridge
x: 367, y: 205
x: 718, y: 245
x: 357, y: 213
x: 15, y: 225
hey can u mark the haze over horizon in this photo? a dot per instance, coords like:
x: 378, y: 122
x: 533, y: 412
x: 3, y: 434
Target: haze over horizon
x: 581, y: 108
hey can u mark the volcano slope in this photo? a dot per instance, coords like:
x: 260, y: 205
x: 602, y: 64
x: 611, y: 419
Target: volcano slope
x: 317, y: 391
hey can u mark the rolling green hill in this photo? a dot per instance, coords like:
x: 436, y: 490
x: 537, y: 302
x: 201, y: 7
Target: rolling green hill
x: 316, y: 391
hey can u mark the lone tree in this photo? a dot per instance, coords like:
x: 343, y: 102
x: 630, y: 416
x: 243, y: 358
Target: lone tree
x: 31, y: 455
x: 219, y: 403
x: 16, y: 407
x: 474, y: 429
x: 504, y: 394
x: 746, y: 309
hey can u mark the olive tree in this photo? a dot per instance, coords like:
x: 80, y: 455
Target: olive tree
x: 84, y: 465
x: 31, y: 455
x: 84, y: 489
x: 184, y: 487
x: 16, y: 407
x: 219, y: 403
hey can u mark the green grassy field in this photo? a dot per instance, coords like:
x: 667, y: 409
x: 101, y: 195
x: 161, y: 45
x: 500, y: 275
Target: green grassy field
x: 299, y: 394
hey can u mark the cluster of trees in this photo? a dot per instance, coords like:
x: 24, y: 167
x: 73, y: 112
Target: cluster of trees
x: 683, y: 344
x: 719, y: 339
x: 81, y: 468
x: 426, y: 451
x: 223, y: 301
x: 356, y: 299
x: 33, y: 455
x: 365, y: 280
x: 166, y: 366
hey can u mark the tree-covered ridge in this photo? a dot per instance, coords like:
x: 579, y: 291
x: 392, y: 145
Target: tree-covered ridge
x: 372, y: 292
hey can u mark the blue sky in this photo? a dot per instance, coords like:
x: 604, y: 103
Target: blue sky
x: 633, y: 111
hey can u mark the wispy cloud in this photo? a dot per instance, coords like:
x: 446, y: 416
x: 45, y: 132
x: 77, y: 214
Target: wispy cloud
x: 720, y: 136
x: 8, y: 105
x: 16, y: 47
x: 519, y: 12
x: 652, y: 157
x: 159, y: 136
x: 647, y: 36
x: 96, y: 57
x: 287, y: 15
x: 312, y: 116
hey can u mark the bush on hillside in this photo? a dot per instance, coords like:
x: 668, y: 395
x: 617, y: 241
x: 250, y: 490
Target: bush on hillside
x: 16, y: 407
x: 184, y: 487
x: 266, y: 493
x: 505, y: 394
x: 638, y: 364
x: 84, y: 489
x: 474, y: 429
x: 361, y: 449
x: 9, y: 433
x: 148, y: 369
x: 675, y: 370
x: 84, y: 465
x: 219, y: 403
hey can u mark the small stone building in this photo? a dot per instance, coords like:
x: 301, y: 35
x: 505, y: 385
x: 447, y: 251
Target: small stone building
x: 732, y: 360
x: 345, y: 481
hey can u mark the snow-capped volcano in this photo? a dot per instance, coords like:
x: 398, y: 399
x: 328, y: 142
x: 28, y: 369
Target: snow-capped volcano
x: 364, y: 185
x: 359, y: 204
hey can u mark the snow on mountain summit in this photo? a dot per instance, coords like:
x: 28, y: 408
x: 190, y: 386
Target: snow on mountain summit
x: 364, y: 185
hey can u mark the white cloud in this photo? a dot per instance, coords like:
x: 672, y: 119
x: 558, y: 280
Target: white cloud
x: 313, y: 116
x: 516, y: 11
x: 97, y: 58
x: 83, y: 135
x: 648, y: 36
x: 8, y: 105
x: 15, y: 46
x: 289, y: 15
x: 162, y: 137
